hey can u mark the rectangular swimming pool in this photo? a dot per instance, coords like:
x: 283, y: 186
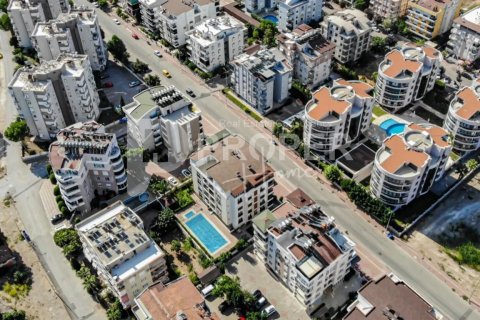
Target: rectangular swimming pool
x: 207, y: 234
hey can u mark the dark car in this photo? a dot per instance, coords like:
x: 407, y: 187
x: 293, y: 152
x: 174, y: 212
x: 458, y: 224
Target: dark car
x: 257, y: 294
x: 26, y: 236
x: 224, y: 306
x: 108, y: 85
x: 104, y: 76
x: 56, y: 218
x: 190, y: 92
x: 328, y: 5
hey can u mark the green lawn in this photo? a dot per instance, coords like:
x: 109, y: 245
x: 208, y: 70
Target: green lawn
x: 378, y: 111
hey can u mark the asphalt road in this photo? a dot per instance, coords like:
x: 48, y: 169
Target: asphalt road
x: 426, y: 284
x: 23, y: 182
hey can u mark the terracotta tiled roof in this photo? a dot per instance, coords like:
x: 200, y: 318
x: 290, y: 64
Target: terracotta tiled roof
x: 398, y: 64
x: 362, y: 89
x: 470, y: 103
x: 401, y: 155
x: 326, y: 104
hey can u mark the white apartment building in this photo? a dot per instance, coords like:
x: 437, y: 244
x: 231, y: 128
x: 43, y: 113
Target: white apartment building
x: 262, y: 78
x: 463, y: 119
x: 350, y: 31
x: 171, y: 19
x: 337, y: 116
x: 406, y: 74
x: 464, y: 41
x: 55, y: 94
x: 75, y: 32
x: 388, y: 9
x: 164, y: 117
x: 292, y: 13
x: 215, y: 42
x: 307, y: 253
x: 233, y: 180
x: 86, y: 162
x: 257, y: 6
x: 308, y: 53
x: 24, y: 15
x: 407, y: 165
x: 125, y: 258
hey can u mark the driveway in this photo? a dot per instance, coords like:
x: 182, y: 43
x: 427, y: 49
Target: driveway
x: 120, y: 77
x: 253, y: 275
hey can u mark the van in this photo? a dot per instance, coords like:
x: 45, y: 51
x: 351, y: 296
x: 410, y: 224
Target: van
x: 207, y: 290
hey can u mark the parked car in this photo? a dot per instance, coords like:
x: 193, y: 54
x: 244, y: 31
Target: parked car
x: 134, y: 83
x: 270, y: 310
x: 257, y: 294
x: 157, y: 53
x: 107, y: 84
x: 166, y: 73
x: 134, y: 36
x: 261, y: 302
x: 186, y: 173
x: 26, y: 236
x: 390, y: 236
x: 190, y: 92
x: 116, y: 21
x: 104, y: 76
x: 224, y: 306
x: 328, y: 5
x: 207, y: 290
x: 95, y: 4
x: 172, y: 181
x: 56, y: 218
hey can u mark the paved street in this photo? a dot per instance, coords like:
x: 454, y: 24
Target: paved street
x: 23, y: 182
x: 360, y: 231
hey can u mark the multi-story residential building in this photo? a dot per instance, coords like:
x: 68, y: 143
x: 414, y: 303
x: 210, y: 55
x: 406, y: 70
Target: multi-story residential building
x: 179, y: 298
x: 307, y: 253
x: 215, y: 42
x: 87, y: 163
x: 24, y: 15
x: 75, y: 32
x: 171, y: 19
x: 133, y: 9
x: 308, y: 53
x: 390, y: 298
x: 233, y: 180
x: 431, y: 18
x: 350, y: 31
x: 262, y: 78
x: 126, y: 259
x: 464, y: 39
x: 463, y: 119
x: 388, y: 9
x: 292, y: 13
x: 406, y: 74
x: 55, y: 94
x: 337, y: 116
x: 256, y: 6
x: 163, y: 116
x: 407, y: 164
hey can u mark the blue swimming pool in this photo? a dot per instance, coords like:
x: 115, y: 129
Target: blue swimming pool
x: 207, y: 234
x: 391, y: 127
x: 188, y: 215
x: 271, y: 17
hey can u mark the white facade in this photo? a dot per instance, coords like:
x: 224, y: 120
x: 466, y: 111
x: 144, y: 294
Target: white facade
x: 215, y: 42
x: 407, y: 165
x: 125, y: 258
x: 337, y: 116
x: 262, y: 78
x: 76, y: 32
x: 388, y: 9
x: 86, y: 162
x: 171, y: 19
x: 309, y: 54
x: 233, y: 180
x: 306, y: 252
x: 256, y: 6
x: 463, y: 119
x: 464, y: 39
x: 163, y: 116
x: 292, y: 13
x: 55, y: 94
x: 350, y: 31
x: 24, y: 15
x: 406, y: 75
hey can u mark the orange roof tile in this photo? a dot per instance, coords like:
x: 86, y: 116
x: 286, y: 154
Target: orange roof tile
x: 435, y: 132
x: 471, y: 103
x: 362, y: 89
x: 401, y: 155
x: 327, y: 105
x: 398, y: 64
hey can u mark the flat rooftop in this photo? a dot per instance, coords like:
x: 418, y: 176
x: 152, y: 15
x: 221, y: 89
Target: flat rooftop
x: 470, y: 20
x: 357, y: 158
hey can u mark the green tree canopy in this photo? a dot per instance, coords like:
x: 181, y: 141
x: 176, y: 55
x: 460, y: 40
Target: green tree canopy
x: 5, y: 23
x: 14, y: 315
x: 115, y: 311
x: 68, y: 240
x: 165, y: 220
x: 379, y: 44
x: 152, y: 80
x: 332, y: 173
x: 17, y: 130
x: 118, y: 49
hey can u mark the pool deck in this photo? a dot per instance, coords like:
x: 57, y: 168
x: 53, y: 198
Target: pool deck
x: 200, y: 207
x: 378, y: 121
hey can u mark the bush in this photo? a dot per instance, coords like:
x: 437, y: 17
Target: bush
x: 176, y: 245
x: 60, y: 204
x: 300, y: 91
x: 14, y: 315
x: 49, y: 169
x: 56, y: 190
x: 194, y: 278
x: 52, y: 178
x: 58, y: 198
x: 17, y: 130
x: 333, y: 174
x: 184, y: 198
x: 469, y: 254
x: 240, y: 104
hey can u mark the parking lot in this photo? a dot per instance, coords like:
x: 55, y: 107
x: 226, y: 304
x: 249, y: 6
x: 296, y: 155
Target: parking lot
x: 120, y: 77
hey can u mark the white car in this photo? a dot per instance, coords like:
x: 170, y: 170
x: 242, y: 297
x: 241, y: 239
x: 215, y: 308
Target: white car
x: 269, y: 310
x: 157, y: 53
x: 172, y: 181
x: 116, y: 21
x: 95, y: 4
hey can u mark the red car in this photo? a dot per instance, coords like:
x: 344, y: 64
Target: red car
x: 108, y: 85
x: 134, y: 36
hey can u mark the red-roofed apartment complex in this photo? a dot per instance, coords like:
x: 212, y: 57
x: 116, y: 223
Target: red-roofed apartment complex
x: 463, y: 119
x: 406, y: 75
x: 408, y: 164
x: 305, y: 251
x: 336, y: 116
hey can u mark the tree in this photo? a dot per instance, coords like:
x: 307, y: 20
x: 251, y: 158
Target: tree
x: 139, y: 66
x: 119, y: 11
x: 229, y: 289
x: 165, y: 220
x: 3, y: 5
x: 90, y: 283
x: 17, y: 130
x: 52, y: 178
x: 361, y: 4
x: 256, y: 315
x: 472, y: 164
x: 152, y: 80
x: 5, y: 23
x: 277, y: 129
x: 176, y: 245
x: 379, y: 44
x: 102, y: 3
x: 68, y: 240
x: 184, y: 198
x: 115, y: 311
x: 332, y: 173
x: 14, y: 315
x: 117, y: 48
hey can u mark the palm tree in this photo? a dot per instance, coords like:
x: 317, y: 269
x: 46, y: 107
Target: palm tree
x: 90, y: 283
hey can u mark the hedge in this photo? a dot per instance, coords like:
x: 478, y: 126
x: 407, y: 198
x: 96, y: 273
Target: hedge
x: 242, y: 106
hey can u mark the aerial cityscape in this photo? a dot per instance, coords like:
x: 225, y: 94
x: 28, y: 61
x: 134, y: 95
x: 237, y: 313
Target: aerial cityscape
x: 240, y: 159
